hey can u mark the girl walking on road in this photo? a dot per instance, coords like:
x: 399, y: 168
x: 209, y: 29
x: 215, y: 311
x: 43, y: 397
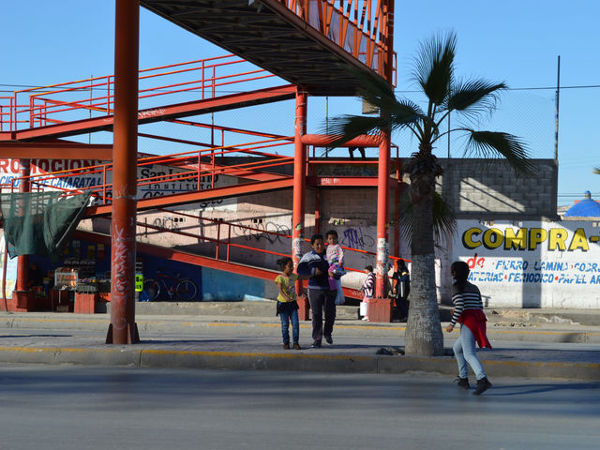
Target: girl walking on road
x: 468, y: 311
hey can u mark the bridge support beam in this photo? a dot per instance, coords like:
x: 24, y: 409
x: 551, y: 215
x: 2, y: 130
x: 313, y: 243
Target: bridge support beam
x: 323, y: 140
x: 384, y: 166
x: 22, y: 294
x: 123, y: 329
x: 299, y: 194
x: 383, y: 181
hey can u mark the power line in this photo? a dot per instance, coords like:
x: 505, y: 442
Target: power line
x: 553, y: 88
x: 533, y: 88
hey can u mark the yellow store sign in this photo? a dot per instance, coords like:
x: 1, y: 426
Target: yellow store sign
x: 528, y: 239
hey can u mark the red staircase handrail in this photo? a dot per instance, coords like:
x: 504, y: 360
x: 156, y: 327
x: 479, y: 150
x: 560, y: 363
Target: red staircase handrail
x: 64, y: 102
x: 187, y: 159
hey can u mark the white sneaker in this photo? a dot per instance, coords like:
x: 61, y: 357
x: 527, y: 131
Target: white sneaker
x: 365, y: 318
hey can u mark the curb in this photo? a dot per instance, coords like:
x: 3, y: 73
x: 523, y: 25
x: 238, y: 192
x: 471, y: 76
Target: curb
x: 380, y: 364
x: 148, y: 326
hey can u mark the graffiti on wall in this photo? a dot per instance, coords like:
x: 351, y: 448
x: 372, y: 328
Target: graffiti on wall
x: 168, y: 222
x: 262, y: 231
x: 355, y: 237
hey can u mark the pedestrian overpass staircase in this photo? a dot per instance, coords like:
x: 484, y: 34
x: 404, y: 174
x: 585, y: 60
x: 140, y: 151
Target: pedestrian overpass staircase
x: 264, y: 172
x: 319, y: 46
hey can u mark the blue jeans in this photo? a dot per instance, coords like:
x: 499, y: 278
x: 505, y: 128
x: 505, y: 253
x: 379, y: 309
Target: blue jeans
x: 286, y: 316
x: 465, y: 353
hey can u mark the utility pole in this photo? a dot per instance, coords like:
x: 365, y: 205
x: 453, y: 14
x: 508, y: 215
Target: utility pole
x: 448, y: 135
x: 556, y: 112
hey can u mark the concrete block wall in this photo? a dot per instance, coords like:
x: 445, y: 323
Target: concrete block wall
x: 491, y: 189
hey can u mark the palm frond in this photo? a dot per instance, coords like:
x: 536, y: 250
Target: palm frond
x: 400, y: 114
x: 406, y: 217
x: 495, y: 143
x: 375, y: 90
x: 346, y: 127
x: 434, y: 67
x: 444, y: 220
x: 405, y: 113
x: 474, y: 97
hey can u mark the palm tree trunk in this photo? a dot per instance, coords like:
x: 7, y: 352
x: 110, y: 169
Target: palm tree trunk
x: 423, y: 335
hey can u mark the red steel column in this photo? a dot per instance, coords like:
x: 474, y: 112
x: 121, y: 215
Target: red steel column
x: 396, y: 218
x: 22, y: 284
x: 317, y: 211
x: 383, y: 180
x: 384, y: 163
x: 123, y: 329
x: 397, y: 192
x: 299, y: 194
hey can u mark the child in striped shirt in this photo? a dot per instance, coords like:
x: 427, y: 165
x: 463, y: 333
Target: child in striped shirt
x: 368, y: 289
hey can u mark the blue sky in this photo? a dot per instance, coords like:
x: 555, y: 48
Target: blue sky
x: 512, y: 41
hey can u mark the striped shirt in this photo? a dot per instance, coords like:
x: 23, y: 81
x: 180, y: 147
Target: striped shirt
x: 468, y: 298
x: 368, y: 286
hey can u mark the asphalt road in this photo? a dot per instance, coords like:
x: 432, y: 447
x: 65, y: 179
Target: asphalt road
x: 58, y: 407
x: 268, y: 338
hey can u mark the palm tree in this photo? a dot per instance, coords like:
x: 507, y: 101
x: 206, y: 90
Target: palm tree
x: 445, y: 94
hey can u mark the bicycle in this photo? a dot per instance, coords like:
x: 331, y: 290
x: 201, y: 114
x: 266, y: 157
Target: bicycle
x: 179, y: 289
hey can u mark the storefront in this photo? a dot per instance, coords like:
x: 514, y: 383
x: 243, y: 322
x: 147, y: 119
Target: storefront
x: 532, y: 264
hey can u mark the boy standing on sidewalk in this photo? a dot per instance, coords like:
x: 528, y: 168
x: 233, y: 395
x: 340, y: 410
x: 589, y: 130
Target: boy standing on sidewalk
x: 315, y: 267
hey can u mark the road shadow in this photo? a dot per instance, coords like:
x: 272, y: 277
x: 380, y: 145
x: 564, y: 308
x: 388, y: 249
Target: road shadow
x: 189, y: 341
x: 540, y: 355
x: 512, y: 390
x: 8, y: 336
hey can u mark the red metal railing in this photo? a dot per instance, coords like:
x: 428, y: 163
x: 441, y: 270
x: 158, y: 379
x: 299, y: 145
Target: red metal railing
x: 193, y: 167
x: 361, y: 30
x: 94, y: 96
x: 6, y: 112
x: 227, y: 242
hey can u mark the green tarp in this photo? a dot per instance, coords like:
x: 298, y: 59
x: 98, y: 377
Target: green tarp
x: 40, y: 223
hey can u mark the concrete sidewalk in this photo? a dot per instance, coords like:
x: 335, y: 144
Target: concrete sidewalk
x: 549, y: 350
